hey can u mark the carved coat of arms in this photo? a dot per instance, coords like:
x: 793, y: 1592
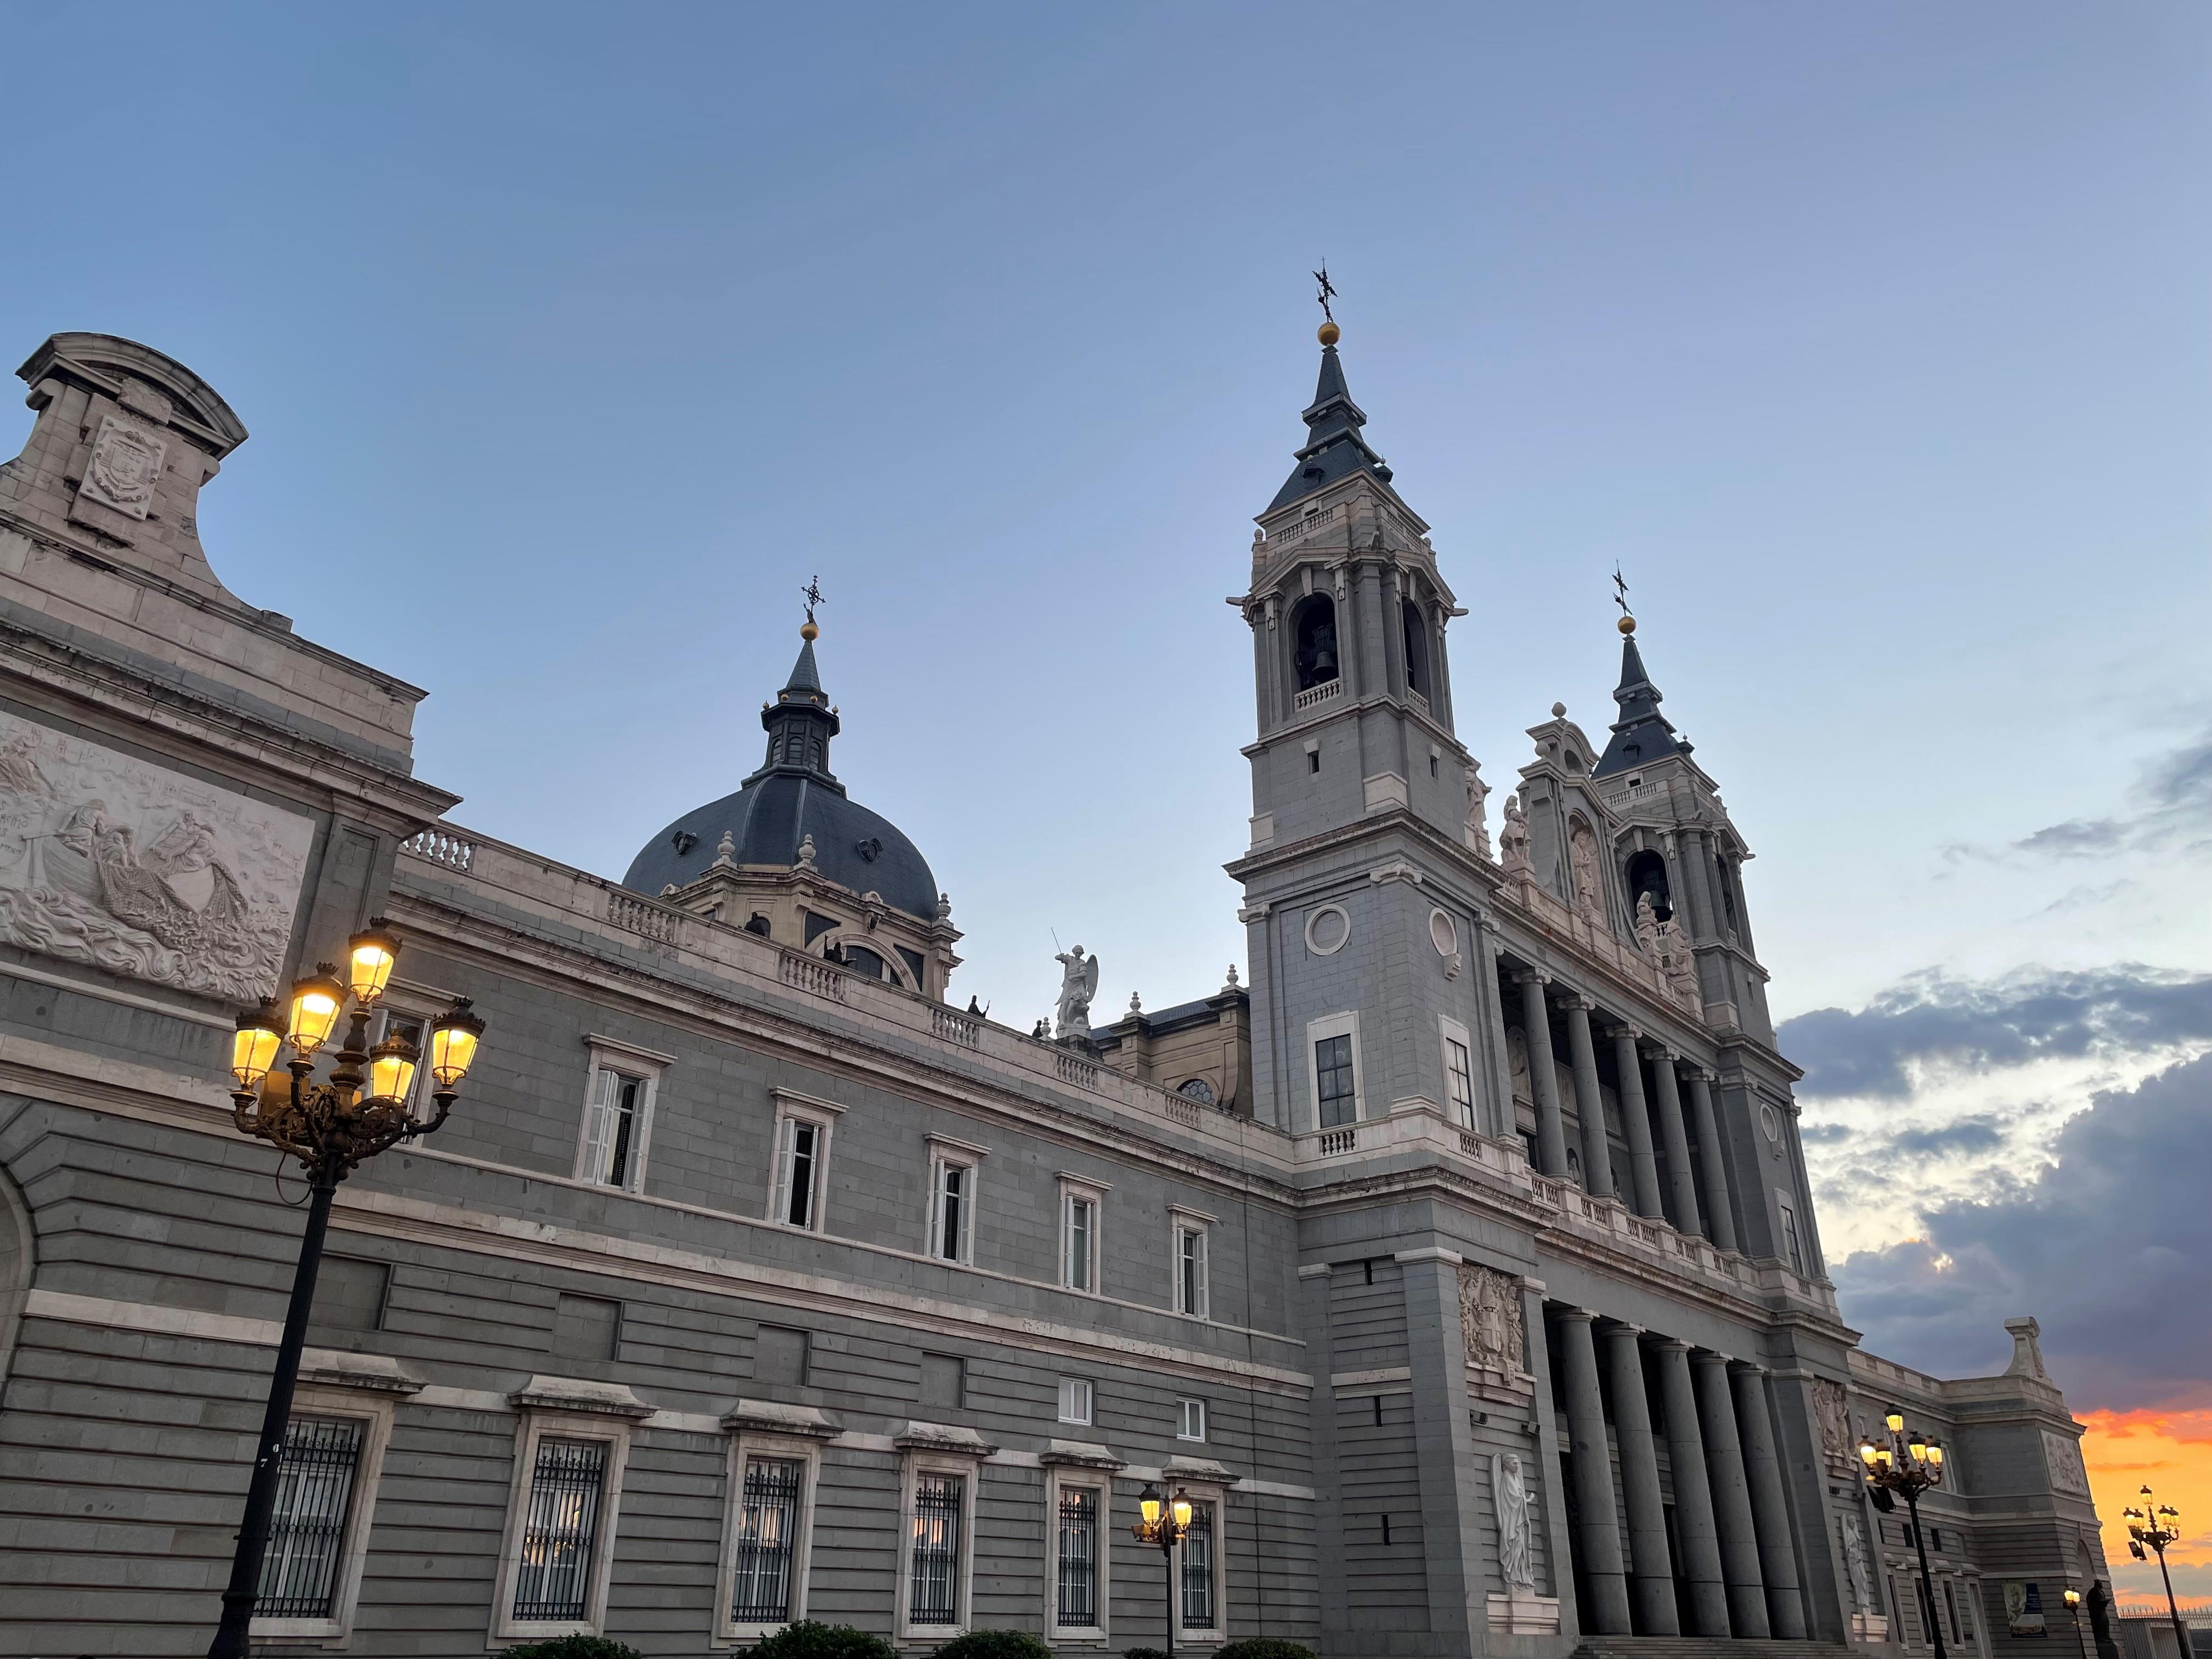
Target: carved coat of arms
x: 126, y: 465
x: 1490, y: 1319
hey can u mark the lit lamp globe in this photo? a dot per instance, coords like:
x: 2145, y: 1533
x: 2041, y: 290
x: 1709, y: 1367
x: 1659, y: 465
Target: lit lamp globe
x: 316, y: 1001
x: 453, y: 1038
x: 254, y: 1045
x: 370, y: 955
x: 391, y: 1067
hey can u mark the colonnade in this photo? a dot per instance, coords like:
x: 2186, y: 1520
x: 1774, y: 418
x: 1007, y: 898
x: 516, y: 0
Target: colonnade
x: 1738, y: 1554
x: 1715, y: 1219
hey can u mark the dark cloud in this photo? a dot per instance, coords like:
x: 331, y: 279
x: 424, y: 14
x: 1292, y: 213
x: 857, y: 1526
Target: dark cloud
x: 2107, y: 1246
x: 2175, y: 797
x: 1982, y: 1132
x: 2029, y: 1016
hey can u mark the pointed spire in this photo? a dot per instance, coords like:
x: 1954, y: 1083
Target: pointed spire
x: 800, y: 722
x: 1641, y: 734
x: 1335, y: 446
x: 805, y: 678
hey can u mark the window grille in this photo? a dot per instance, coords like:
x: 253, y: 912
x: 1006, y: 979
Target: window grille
x: 1078, y: 1558
x: 934, y: 1593
x: 768, y: 1528
x: 306, y: 1533
x: 1339, y: 1101
x: 560, y: 1530
x: 1198, y: 1569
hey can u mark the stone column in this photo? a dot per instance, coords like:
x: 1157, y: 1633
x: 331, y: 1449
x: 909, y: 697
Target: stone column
x: 1732, y: 1519
x: 1651, y: 1571
x: 1636, y: 1121
x: 1693, y: 1493
x: 1697, y: 891
x: 1589, y: 1105
x: 1721, y: 1214
x: 1688, y: 1218
x: 1770, y: 1509
x: 1600, y: 1528
x: 1543, y: 1074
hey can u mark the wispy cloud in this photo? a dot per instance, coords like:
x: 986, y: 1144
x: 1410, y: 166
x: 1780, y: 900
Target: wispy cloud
x: 2169, y: 807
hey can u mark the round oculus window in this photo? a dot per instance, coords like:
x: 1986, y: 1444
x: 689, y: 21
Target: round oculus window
x: 1443, y: 934
x: 1770, y: 1120
x: 1327, y: 929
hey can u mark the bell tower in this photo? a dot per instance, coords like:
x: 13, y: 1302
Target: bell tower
x: 1367, y: 811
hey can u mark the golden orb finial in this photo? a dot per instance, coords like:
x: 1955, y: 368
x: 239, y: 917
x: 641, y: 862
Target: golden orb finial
x: 1330, y: 334
x: 808, y: 631
x: 1626, y: 624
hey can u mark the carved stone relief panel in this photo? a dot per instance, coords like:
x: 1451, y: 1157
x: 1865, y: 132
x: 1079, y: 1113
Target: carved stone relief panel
x: 125, y: 466
x: 1490, y: 1319
x: 1833, y: 1415
x: 2064, y: 1455
x: 127, y: 866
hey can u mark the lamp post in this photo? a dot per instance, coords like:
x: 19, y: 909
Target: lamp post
x: 330, y: 1127
x: 2073, y: 1598
x: 2152, y: 1526
x: 1164, y: 1524
x: 1907, y: 1467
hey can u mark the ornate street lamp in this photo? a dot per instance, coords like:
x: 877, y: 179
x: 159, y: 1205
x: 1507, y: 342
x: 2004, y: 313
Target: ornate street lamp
x: 1163, y: 1524
x: 330, y: 1127
x: 2152, y: 1526
x: 1907, y: 1467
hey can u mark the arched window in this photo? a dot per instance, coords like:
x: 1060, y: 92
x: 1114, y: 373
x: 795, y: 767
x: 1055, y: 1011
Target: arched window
x: 1313, y: 627
x: 1417, y: 648
x: 1647, y: 874
x: 867, y: 964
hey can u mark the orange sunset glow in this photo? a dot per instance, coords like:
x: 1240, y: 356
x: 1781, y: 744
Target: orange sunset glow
x: 2170, y: 1451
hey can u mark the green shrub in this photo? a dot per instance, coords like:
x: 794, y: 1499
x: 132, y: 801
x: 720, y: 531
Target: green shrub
x: 573, y: 1647
x: 804, y: 1638
x: 1264, y: 1647
x: 994, y: 1645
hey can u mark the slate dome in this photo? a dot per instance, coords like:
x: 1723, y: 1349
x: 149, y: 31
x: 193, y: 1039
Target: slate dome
x: 793, y: 796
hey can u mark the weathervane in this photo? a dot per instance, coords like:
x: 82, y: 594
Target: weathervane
x: 812, y: 594
x: 1327, y: 291
x: 1627, y: 623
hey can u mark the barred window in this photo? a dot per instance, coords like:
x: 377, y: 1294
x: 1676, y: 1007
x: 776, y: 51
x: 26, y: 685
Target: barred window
x: 933, y: 1590
x: 1078, y: 1558
x: 768, y: 1529
x: 560, y: 1531
x: 1198, y: 1574
x: 306, y: 1533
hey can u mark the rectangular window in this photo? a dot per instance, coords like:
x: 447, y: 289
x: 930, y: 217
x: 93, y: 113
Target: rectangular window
x: 767, y: 1542
x: 1078, y: 1230
x: 1339, y: 1098
x: 1190, y: 1419
x: 614, y: 1128
x: 1198, y: 1569
x: 1791, y: 1253
x: 1951, y: 1609
x: 934, y: 1550
x: 1968, y: 1589
x: 798, y: 1164
x: 1459, y: 1082
x: 560, y: 1532
x: 1191, y: 1296
x: 1075, y: 1399
x: 314, y: 1504
x: 1076, y: 1604
x: 951, y: 1230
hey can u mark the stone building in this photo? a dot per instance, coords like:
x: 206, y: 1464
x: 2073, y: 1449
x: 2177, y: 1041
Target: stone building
x: 1459, y: 1265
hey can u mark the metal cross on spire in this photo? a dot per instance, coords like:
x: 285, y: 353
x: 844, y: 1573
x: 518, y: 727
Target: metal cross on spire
x: 812, y: 594
x: 1619, y: 590
x: 1327, y: 291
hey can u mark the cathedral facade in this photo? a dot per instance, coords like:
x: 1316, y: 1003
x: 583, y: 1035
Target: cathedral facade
x: 1455, y: 1262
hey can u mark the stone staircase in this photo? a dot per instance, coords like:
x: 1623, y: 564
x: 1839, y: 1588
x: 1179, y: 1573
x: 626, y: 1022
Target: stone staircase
x: 1709, y: 1647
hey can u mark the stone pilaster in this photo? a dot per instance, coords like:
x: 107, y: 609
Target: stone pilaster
x: 1449, y: 1484
x: 1732, y: 1517
x: 1651, y: 1573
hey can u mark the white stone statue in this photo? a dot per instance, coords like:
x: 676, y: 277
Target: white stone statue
x: 1855, y: 1563
x: 1078, y: 983
x: 1516, y: 1554
x: 1647, y: 925
x: 1513, y: 839
x: 1589, y: 882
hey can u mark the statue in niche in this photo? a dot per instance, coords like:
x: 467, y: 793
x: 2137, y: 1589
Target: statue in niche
x: 1516, y: 1543
x: 1582, y: 856
x: 1513, y: 839
x: 1855, y: 1563
x: 1830, y: 1411
x: 1490, y: 1319
x: 1078, y: 983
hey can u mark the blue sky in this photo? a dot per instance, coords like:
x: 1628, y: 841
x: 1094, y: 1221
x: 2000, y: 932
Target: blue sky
x: 1870, y: 340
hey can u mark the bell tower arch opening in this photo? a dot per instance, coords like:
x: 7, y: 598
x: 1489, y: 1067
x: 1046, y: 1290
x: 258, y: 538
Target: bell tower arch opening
x: 1418, y: 672
x: 1313, y: 635
x: 1647, y: 874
